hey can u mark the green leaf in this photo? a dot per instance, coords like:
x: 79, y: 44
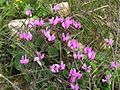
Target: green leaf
x: 39, y: 42
x: 56, y: 44
x: 27, y: 77
x: 93, y: 65
x: 107, y: 72
x: 52, y: 51
x: 50, y: 88
x: 17, y: 64
x: 100, y: 56
x: 35, y: 17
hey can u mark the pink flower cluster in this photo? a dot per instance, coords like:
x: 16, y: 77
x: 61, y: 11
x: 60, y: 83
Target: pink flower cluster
x: 65, y: 37
x: 28, y: 13
x: 74, y: 87
x: 39, y: 56
x: 78, y: 56
x: 114, y: 64
x: 74, y: 75
x: 66, y: 23
x: 56, y: 67
x: 73, y: 44
x: 37, y: 22
x: 89, y: 52
x: 25, y: 36
x: 107, y: 78
x: 50, y: 37
x: 56, y: 20
x: 87, y: 69
x: 108, y: 41
x: 24, y: 60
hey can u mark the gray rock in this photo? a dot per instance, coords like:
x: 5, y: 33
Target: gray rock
x: 18, y: 25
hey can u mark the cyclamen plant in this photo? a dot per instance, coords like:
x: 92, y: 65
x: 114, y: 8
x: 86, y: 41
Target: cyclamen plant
x: 50, y: 33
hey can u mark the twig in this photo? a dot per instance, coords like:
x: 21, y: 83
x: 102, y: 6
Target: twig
x: 99, y: 8
x: 14, y: 86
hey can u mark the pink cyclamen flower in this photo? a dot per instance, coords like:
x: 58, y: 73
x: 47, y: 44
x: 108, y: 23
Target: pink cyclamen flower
x: 114, y: 64
x: 108, y: 41
x: 74, y: 75
x: 55, y: 68
x: 65, y: 37
x: 29, y: 36
x: 73, y: 44
x: 87, y: 69
x: 48, y: 35
x: 76, y: 25
x: 40, y: 56
x: 28, y: 12
x: 62, y: 66
x: 55, y: 21
x: 24, y: 60
x: 51, y: 37
x: 56, y: 8
x: 72, y: 72
x: 78, y: 56
x: 74, y: 87
x: 107, y: 78
x: 51, y: 20
x: 39, y: 22
x: 66, y: 23
x: 31, y: 24
x: 91, y: 55
x: 22, y: 35
x: 25, y: 36
x: 87, y: 49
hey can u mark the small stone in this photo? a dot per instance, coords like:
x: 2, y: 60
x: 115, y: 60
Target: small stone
x: 64, y: 9
x: 18, y: 25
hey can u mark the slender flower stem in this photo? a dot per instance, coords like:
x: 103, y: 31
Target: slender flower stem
x: 14, y: 86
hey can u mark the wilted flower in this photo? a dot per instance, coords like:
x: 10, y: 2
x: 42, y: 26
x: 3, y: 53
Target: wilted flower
x: 114, y: 64
x: 65, y: 37
x: 108, y: 41
x: 73, y: 44
x: 28, y: 12
x: 24, y: 60
x: 87, y: 69
x: 74, y: 87
x: 107, y: 78
x: 40, y: 56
